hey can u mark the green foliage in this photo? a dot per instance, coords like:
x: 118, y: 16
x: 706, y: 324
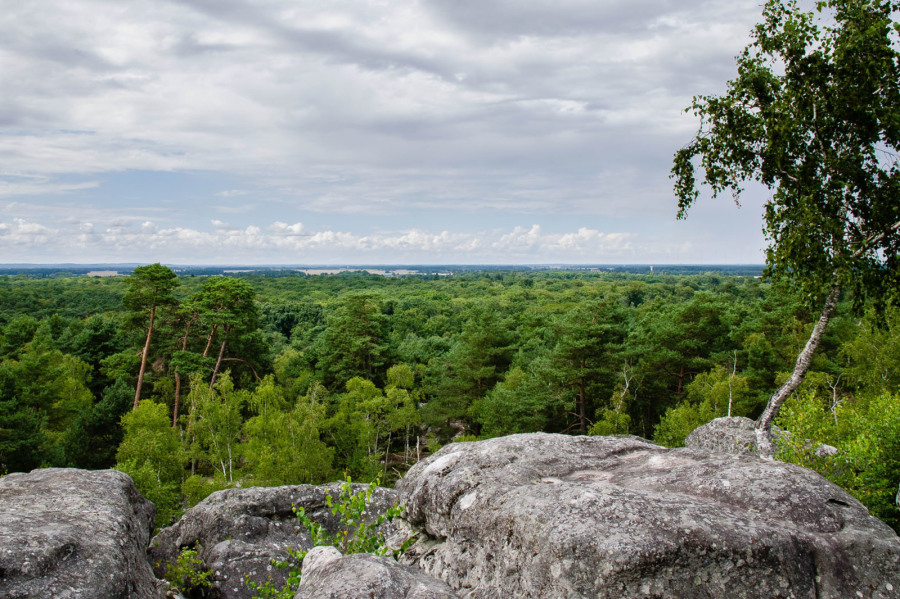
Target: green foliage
x: 149, y: 287
x: 356, y: 533
x: 353, y: 428
x: 678, y: 422
x: 866, y: 430
x: 521, y: 403
x: 813, y: 115
x: 43, y: 393
x: 461, y: 377
x: 611, y: 422
x: 282, y: 444
x: 196, y: 488
x: 353, y: 344
x: 709, y: 396
x: 151, y: 453
x: 472, y: 354
x: 873, y: 353
x: 162, y: 492
x: 217, y: 424
x: 186, y: 574
x: 677, y: 341
x: 91, y: 441
x: 723, y: 390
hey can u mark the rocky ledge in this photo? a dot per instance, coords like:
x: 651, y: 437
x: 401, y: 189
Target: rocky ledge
x: 526, y: 516
x: 553, y: 516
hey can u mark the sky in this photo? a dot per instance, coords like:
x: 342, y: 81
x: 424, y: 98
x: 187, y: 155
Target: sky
x: 363, y: 131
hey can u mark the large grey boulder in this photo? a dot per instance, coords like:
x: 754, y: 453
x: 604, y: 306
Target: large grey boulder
x: 329, y: 575
x: 73, y: 534
x: 725, y: 435
x: 552, y: 516
x: 240, y: 532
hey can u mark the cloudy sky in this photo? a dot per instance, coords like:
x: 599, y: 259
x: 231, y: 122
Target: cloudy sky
x: 361, y: 131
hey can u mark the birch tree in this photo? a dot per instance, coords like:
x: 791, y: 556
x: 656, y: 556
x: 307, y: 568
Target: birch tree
x: 814, y: 115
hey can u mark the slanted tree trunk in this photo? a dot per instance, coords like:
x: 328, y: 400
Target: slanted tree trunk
x: 144, y: 354
x: 177, y: 398
x: 406, y: 452
x: 730, y: 383
x: 184, y: 341
x: 212, y: 380
x: 764, y: 424
x: 209, y: 340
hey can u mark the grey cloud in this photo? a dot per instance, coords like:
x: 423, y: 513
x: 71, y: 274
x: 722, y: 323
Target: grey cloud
x: 188, y: 46
x: 497, y: 19
x: 338, y: 46
x: 349, y: 107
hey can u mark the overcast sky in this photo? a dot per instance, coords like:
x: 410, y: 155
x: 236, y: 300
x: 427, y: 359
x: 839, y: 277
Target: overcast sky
x: 354, y: 131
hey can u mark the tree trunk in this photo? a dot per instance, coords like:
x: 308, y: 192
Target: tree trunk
x: 177, y: 398
x: 387, y: 453
x: 144, y: 354
x: 184, y: 341
x: 212, y: 380
x: 582, y: 416
x: 406, y: 452
x: 764, y: 424
x: 209, y: 340
x: 680, y: 376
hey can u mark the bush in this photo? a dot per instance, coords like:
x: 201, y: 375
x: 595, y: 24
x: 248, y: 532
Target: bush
x: 354, y: 535
x: 867, y: 433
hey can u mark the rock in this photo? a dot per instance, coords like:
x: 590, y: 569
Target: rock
x: 735, y: 435
x: 329, y: 575
x: 67, y: 533
x: 554, y: 516
x: 824, y: 451
x: 241, y: 531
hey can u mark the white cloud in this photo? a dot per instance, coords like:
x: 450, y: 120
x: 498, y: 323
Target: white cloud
x: 30, y: 185
x: 280, y: 228
x: 299, y: 108
x: 287, y: 244
x: 25, y: 233
x: 279, y: 243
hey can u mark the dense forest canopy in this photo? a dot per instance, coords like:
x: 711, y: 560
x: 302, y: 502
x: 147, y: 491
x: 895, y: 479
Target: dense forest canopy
x: 261, y: 380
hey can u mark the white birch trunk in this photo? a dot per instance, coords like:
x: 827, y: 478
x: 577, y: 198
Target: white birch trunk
x: 764, y: 424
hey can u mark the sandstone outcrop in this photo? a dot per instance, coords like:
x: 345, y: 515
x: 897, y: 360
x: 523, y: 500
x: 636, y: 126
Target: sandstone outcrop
x: 329, y: 575
x: 737, y: 435
x: 74, y: 534
x: 552, y: 517
x: 240, y: 532
x: 734, y: 434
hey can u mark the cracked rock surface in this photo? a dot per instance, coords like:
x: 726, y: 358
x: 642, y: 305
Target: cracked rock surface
x: 242, y: 530
x: 73, y: 534
x: 329, y: 575
x: 734, y: 434
x: 555, y: 516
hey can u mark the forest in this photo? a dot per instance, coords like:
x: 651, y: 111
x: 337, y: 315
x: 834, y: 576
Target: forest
x: 195, y: 383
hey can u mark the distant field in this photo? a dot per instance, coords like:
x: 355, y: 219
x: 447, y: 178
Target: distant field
x: 41, y: 271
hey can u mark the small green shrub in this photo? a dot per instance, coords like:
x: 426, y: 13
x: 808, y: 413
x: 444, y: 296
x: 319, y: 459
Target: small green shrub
x: 354, y: 535
x: 186, y: 574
